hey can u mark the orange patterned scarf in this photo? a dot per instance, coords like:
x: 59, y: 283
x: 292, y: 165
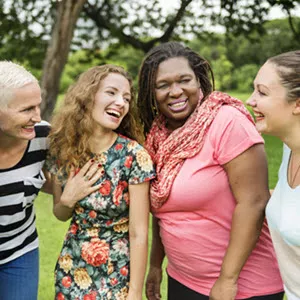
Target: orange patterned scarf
x: 169, y: 150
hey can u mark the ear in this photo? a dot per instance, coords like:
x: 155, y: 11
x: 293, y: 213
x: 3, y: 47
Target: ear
x: 296, y: 110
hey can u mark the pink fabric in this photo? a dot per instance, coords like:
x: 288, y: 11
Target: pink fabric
x: 195, y: 222
x: 169, y: 150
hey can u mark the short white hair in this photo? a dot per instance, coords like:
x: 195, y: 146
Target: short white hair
x: 12, y: 76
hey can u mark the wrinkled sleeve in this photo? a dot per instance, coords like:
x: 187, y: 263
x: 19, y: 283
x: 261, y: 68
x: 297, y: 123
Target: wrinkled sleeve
x: 234, y: 134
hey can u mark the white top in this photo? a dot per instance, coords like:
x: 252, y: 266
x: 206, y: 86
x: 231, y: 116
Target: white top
x: 283, y: 215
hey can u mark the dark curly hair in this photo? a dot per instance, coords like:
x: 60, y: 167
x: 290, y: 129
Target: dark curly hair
x: 148, y: 71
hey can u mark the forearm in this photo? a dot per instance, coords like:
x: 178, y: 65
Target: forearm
x: 62, y: 212
x: 138, y: 260
x: 157, y: 248
x: 246, y: 227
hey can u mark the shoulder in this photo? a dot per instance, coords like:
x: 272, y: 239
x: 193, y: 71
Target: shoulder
x: 228, y: 112
x: 40, y: 142
x: 229, y: 117
x: 42, y: 129
x: 130, y: 144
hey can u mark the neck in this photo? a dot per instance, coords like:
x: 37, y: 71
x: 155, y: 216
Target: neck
x: 292, y: 140
x: 8, y: 143
x: 102, y: 141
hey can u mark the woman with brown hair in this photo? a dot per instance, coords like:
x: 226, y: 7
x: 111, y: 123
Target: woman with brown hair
x: 107, y: 197
x: 276, y: 106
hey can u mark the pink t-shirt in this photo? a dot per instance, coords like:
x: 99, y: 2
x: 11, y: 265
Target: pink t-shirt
x: 195, y: 222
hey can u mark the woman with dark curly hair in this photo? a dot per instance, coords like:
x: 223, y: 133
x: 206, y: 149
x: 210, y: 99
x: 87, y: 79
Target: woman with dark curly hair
x: 211, y: 189
x: 107, y: 197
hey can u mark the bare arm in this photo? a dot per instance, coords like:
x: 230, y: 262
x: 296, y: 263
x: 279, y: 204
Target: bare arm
x: 62, y: 212
x: 248, y: 178
x: 47, y: 186
x: 154, y: 277
x: 138, y: 235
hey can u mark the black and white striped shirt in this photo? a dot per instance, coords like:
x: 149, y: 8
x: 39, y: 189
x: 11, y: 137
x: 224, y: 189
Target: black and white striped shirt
x: 19, y: 187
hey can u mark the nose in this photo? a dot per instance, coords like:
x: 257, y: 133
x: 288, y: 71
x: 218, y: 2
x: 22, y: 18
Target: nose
x: 175, y: 90
x: 120, y: 100
x: 36, y: 117
x: 251, y: 101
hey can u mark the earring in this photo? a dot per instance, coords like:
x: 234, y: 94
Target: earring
x: 154, y: 110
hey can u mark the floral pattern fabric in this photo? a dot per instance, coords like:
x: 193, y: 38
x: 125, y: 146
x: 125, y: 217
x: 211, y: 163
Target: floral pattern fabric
x: 94, y: 260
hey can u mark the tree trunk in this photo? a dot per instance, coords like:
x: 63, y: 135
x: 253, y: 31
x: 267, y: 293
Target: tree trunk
x: 57, y: 52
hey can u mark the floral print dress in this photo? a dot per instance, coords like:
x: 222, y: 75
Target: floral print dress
x: 94, y: 260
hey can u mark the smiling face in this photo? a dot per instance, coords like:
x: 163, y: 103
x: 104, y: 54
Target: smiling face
x: 22, y: 112
x: 272, y: 111
x: 111, y: 101
x: 176, y: 91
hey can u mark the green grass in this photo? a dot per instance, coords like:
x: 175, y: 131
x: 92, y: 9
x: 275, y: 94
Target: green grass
x: 52, y: 231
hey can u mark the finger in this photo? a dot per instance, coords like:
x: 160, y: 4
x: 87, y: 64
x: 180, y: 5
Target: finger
x: 96, y: 176
x: 86, y: 167
x: 72, y: 172
x: 95, y: 188
x: 149, y: 289
x: 92, y: 172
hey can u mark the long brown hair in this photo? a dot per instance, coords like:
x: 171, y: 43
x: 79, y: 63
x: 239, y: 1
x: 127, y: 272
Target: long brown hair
x: 73, y: 125
x: 288, y: 69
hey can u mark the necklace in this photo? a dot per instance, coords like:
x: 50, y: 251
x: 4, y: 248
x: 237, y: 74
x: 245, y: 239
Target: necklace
x: 291, y: 171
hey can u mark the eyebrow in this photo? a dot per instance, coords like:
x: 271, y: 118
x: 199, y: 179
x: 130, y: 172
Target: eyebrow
x: 30, y: 106
x: 116, y: 89
x: 262, y: 85
x: 181, y: 76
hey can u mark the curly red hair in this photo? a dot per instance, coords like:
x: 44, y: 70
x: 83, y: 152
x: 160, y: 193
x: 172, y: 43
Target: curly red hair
x: 73, y: 125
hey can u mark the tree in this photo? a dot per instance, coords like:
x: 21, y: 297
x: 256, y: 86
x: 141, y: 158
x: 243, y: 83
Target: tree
x: 57, y: 52
x: 102, y: 15
x: 138, y: 23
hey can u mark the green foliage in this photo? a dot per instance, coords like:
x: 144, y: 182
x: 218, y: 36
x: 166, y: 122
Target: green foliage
x: 79, y: 61
x: 257, y: 48
x: 223, y: 70
x: 24, y: 30
x: 243, y: 77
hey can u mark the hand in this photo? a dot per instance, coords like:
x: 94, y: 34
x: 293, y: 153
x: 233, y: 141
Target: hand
x: 223, y: 289
x: 153, y: 283
x: 80, y: 184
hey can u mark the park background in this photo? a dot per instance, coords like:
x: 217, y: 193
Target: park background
x: 59, y: 39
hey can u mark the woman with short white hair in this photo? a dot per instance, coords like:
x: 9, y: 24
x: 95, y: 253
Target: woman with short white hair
x: 23, y: 148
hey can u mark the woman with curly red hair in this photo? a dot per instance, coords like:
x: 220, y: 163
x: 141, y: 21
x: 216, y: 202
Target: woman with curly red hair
x: 97, y: 123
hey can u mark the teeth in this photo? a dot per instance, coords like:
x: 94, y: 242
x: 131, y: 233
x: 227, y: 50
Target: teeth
x: 179, y: 104
x: 114, y: 113
x: 258, y: 115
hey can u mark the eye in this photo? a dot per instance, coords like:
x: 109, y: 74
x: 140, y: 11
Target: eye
x: 127, y: 99
x: 185, y: 80
x: 162, y: 86
x: 110, y: 92
x: 261, y: 93
x: 27, y: 109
